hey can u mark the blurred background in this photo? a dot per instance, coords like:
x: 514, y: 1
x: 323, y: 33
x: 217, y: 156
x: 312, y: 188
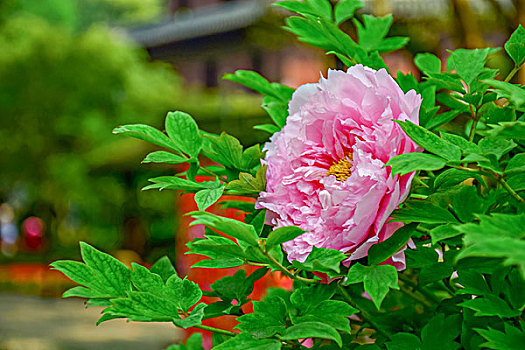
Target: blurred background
x: 72, y: 70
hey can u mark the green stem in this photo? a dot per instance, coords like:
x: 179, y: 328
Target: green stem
x: 509, y: 189
x: 285, y: 270
x: 215, y: 330
x: 512, y: 73
x: 474, y: 123
x: 364, y: 315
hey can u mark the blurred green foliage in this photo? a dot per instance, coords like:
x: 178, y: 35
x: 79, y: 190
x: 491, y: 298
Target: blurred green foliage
x: 67, y: 80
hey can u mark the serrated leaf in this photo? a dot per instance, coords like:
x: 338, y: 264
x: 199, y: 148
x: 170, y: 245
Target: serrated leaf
x: 225, y: 149
x: 283, y: 234
x: 312, y: 330
x: 430, y: 141
x: 515, y: 46
x: 409, y: 162
x: 207, y: 197
x: 381, y: 251
x: 377, y: 280
x: 251, y: 157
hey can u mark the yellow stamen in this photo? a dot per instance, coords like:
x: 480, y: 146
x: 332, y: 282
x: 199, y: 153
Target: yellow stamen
x: 341, y: 168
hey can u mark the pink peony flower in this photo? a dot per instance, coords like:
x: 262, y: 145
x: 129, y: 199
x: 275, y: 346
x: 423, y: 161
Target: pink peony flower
x: 326, y: 167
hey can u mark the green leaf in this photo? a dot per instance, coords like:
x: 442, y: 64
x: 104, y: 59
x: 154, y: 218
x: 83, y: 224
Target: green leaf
x: 404, y: 341
x: 515, y: 46
x: 313, y: 304
x: 276, y: 109
x: 184, y: 132
x: 377, y: 280
x: 177, y: 183
x: 467, y: 203
x: 251, y: 157
x: 443, y: 232
x: 114, y: 275
x: 425, y: 212
x: 164, y: 157
x: 430, y: 141
x: 435, y: 272
x: 164, y: 268
x: 428, y: 63
x: 409, y: 162
x: 514, y: 93
x: 321, y: 260
x: 245, y: 341
x: 442, y: 118
x: 148, y: 134
x: 468, y: 63
x: 381, y: 251
x: 237, y: 287
x: 231, y: 227
x: 225, y: 150
x: 283, y: 234
x: 516, y: 164
x: 496, y: 236
x: 512, y: 130
x: 269, y: 128
x: 465, y: 145
x: 256, y: 82
x: 249, y: 185
x: 490, y: 305
x: 224, y: 253
x: 439, y: 333
x: 496, y: 145
x: 312, y: 330
x: 421, y: 257
x: 194, y: 342
x: 267, y: 319
x: 512, y: 339
x: 205, y: 198
x: 345, y: 9
x: 373, y: 30
x: 452, y: 177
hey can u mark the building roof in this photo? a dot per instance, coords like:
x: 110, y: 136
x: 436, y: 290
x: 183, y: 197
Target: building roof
x: 203, y: 21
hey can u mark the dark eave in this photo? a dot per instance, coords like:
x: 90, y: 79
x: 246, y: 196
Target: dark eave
x: 201, y: 22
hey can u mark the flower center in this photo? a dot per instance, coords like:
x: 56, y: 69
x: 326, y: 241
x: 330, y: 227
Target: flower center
x: 341, y: 168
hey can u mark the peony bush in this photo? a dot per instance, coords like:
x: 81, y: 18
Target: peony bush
x: 395, y: 205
